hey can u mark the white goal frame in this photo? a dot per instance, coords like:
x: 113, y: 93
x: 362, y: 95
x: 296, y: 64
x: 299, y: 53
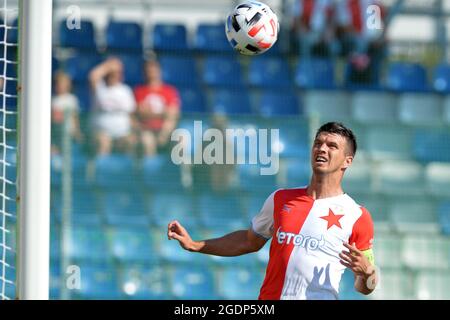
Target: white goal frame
x: 35, y: 65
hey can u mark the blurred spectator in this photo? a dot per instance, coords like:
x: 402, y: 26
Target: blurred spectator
x: 113, y: 106
x: 64, y: 103
x: 158, y: 109
x: 312, y: 27
x: 361, y: 37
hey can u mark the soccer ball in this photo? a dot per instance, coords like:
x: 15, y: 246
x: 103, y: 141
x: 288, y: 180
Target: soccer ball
x: 252, y: 28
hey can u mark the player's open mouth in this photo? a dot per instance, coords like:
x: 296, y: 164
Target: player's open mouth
x: 321, y: 159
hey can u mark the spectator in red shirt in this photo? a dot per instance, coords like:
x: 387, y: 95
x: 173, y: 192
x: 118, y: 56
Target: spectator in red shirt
x: 312, y: 27
x: 362, y: 38
x: 158, y: 109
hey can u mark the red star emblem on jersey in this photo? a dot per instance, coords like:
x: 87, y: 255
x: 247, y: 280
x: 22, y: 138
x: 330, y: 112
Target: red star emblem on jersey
x: 332, y: 219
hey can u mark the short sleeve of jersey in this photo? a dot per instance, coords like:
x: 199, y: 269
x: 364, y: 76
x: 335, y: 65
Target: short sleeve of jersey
x: 139, y: 93
x: 262, y: 223
x: 173, y: 98
x: 362, y: 233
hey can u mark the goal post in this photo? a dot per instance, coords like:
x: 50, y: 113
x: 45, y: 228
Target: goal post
x: 33, y: 232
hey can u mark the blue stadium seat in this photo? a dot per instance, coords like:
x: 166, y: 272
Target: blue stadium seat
x: 388, y: 142
x: 88, y: 243
x: 298, y: 172
x: 132, y: 244
x: 328, y: 105
x: 251, y: 179
x: 124, y: 208
x: 293, y: 140
x: 82, y: 38
x: 124, y: 35
x: 237, y: 283
x: 231, y: 102
x: 425, y: 251
x: 376, y: 205
x: 413, y: 215
x: 221, y: 211
x: 143, y: 281
x: 358, y: 177
x: 55, y: 241
x: 431, y: 146
x: 171, y: 253
x: 192, y: 100
x: 444, y: 217
x: 55, y: 64
x: 212, y: 38
x: 275, y: 103
x: 190, y: 283
x: 374, y: 107
x: 178, y: 70
x: 269, y: 72
x: 83, y: 93
x: 222, y: 71
x: 441, y: 78
x: 133, y: 68
x: 170, y: 37
x: 400, y: 178
x: 398, y: 284
x: 79, y: 164
x: 447, y: 110
x: 159, y: 173
x: 189, y: 124
x: 366, y: 79
x: 420, y: 109
x: 79, y: 66
x: 431, y: 285
x: 115, y: 172
x: 438, y: 179
x: 85, y: 209
x: 406, y: 77
x: 315, y: 74
x: 166, y: 207
x: 253, y: 202
x: 98, y: 281
x: 55, y: 279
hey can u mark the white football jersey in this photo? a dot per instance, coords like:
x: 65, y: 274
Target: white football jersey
x: 307, y: 237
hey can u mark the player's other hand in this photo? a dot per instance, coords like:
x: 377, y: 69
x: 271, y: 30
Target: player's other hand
x: 176, y: 231
x: 355, y: 260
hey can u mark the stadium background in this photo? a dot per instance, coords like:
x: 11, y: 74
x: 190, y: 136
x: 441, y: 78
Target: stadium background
x: 120, y: 205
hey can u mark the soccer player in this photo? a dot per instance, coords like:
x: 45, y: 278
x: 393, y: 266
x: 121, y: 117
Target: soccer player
x: 317, y: 231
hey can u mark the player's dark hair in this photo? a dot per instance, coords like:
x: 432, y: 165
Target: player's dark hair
x: 340, y: 129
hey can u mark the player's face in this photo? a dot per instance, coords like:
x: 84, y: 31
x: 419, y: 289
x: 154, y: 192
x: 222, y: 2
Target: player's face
x: 329, y: 153
x: 62, y: 85
x: 152, y: 72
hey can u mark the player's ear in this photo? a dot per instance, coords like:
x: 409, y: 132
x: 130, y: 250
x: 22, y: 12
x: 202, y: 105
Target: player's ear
x: 348, y: 161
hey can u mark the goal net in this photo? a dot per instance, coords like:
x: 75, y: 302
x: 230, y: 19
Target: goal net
x: 25, y: 91
x: 8, y: 145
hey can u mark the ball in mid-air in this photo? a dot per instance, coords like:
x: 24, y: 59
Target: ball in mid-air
x: 252, y: 28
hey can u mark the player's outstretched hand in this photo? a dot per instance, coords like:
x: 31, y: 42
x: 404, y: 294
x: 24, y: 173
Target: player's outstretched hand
x: 176, y: 231
x: 355, y: 260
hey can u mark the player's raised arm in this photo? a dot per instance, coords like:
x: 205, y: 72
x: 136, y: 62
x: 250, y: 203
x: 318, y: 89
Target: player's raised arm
x: 233, y: 244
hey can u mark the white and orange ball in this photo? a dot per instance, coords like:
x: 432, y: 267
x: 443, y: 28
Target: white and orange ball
x: 252, y: 28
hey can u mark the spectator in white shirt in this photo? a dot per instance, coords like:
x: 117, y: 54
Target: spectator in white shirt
x: 64, y: 104
x: 113, y: 106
